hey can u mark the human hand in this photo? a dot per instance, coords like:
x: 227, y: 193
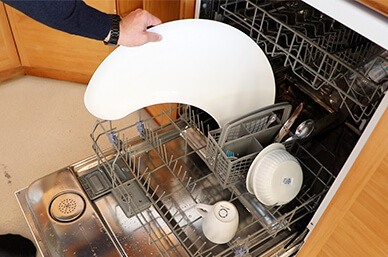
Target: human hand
x: 133, y: 28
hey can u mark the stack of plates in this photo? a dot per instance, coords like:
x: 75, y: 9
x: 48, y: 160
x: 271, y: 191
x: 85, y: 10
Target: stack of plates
x: 275, y: 176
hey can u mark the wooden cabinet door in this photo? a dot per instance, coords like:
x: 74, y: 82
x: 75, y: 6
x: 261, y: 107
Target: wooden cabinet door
x: 126, y: 6
x: 9, y: 60
x: 46, y: 52
x: 355, y: 222
x: 166, y: 10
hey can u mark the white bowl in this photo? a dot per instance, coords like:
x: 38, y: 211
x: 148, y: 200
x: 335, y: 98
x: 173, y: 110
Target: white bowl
x: 255, y: 163
x: 203, y: 63
x: 276, y: 178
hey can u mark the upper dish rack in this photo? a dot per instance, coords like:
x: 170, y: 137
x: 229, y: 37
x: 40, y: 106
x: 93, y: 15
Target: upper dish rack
x: 336, y: 66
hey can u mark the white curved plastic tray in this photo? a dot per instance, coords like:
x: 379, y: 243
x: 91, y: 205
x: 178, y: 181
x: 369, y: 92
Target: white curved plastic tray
x: 203, y: 63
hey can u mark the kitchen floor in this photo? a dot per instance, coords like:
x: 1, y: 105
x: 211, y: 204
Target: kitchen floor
x: 44, y: 126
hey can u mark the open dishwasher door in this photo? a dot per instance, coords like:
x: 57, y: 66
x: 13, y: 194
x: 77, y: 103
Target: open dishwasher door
x: 143, y: 192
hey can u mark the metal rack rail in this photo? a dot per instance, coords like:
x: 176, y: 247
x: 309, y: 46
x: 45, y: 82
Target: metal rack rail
x: 338, y: 67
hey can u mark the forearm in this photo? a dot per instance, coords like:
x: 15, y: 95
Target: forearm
x: 71, y: 16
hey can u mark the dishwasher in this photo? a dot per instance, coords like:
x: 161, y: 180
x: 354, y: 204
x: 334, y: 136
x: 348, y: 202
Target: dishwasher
x: 137, y: 195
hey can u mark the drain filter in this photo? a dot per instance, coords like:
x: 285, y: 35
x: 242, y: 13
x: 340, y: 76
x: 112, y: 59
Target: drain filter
x: 67, y: 207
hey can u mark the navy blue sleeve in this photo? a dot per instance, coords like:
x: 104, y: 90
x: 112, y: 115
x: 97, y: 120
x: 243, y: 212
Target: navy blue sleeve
x: 71, y: 16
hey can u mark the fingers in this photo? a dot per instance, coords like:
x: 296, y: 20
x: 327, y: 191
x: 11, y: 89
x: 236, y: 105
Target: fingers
x: 153, y: 20
x: 153, y: 37
x: 147, y: 18
x: 133, y: 28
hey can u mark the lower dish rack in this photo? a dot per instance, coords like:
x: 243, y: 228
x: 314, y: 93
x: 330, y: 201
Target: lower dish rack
x: 168, y: 163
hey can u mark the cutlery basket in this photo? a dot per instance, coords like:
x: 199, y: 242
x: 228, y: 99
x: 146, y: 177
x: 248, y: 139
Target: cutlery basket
x: 231, y: 150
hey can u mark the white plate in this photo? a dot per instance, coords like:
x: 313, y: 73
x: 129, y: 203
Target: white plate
x: 204, y: 63
x: 256, y: 162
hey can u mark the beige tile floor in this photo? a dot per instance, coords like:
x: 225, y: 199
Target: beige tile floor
x: 44, y: 126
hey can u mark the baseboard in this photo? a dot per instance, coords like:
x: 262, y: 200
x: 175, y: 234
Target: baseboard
x: 58, y: 74
x: 11, y: 73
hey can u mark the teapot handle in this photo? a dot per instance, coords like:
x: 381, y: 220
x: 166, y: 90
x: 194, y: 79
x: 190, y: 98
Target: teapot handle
x: 203, y: 209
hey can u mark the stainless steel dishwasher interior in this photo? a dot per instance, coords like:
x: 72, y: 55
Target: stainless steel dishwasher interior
x: 140, y: 198
x: 169, y: 165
